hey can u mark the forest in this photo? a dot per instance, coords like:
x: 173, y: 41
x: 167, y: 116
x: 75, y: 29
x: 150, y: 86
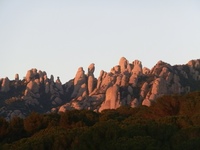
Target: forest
x: 172, y: 122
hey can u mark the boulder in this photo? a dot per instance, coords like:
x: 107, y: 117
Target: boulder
x: 17, y: 113
x: 32, y: 87
x: 146, y: 102
x: 91, y: 78
x: 30, y: 74
x: 123, y: 63
x: 134, y: 103
x: 137, y: 69
x: 91, y: 68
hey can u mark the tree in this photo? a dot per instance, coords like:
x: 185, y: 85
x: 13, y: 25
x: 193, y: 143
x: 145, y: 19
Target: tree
x: 16, y: 129
x: 3, y: 128
x: 33, y: 123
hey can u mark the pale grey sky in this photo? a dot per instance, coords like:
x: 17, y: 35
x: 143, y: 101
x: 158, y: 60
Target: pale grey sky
x: 60, y: 36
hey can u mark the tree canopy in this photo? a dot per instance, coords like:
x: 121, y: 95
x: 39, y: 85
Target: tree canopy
x: 173, y: 122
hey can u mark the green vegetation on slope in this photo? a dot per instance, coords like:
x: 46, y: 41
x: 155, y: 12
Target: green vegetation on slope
x: 173, y: 122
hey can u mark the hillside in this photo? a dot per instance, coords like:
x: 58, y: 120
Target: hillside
x: 172, y: 123
x: 127, y: 84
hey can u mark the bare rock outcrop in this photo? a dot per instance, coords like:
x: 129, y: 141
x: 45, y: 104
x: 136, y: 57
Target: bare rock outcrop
x: 137, y: 69
x: 59, y: 85
x: 31, y: 94
x: 112, y: 100
x: 16, y: 77
x: 123, y: 63
x: 146, y: 71
x: 80, y: 77
x: 133, y: 79
x: 124, y: 80
x: 104, y: 81
x: 79, y: 83
x: 32, y: 87
x: 162, y: 79
x: 30, y: 74
x: 16, y: 113
x: 135, y: 103
x: 135, y: 73
x: 5, y: 86
x: 144, y: 90
x: 194, y: 66
x: 126, y: 84
x: 91, y: 78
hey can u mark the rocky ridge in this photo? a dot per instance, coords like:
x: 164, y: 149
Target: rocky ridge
x: 126, y: 84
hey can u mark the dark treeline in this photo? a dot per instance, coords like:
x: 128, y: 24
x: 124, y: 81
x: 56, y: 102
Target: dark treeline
x: 173, y: 122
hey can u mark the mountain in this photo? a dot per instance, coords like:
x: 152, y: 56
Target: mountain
x: 126, y: 84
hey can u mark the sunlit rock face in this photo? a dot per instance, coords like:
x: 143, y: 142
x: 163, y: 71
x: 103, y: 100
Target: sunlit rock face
x: 123, y: 63
x: 91, y: 78
x: 112, y: 99
x: 146, y: 71
x: 32, y: 93
x: 32, y: 86
x: 137, y: 69
x: 30, y: 74
x: 127, y: 84
x: 79, y: 81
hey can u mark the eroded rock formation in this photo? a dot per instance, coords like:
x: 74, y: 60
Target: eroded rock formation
x: 126, y: 84
x: 5, y: 86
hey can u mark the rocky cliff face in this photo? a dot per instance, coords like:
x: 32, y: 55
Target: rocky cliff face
x: 126, y: 84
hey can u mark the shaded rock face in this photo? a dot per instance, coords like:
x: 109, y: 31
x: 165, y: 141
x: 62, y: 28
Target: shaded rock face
x: 59, y: 85
x: 126, y: 84
x: 5, y: 86
x: 16, y: 77
x: 31, y: 94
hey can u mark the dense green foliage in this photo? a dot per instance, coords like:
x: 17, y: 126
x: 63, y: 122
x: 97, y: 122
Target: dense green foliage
x: 173, y: 122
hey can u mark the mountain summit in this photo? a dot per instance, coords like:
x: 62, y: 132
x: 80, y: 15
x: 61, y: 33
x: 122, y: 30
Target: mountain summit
x: 126, y: 84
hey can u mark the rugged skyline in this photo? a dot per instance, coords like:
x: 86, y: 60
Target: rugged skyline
x: 126, y: 84
x: 58, y: 37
